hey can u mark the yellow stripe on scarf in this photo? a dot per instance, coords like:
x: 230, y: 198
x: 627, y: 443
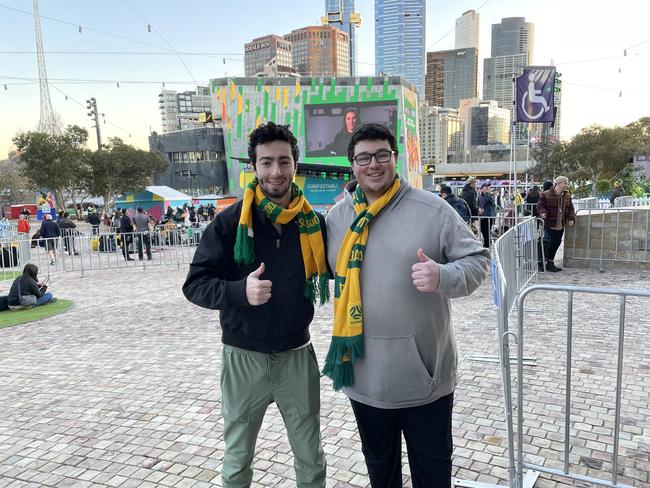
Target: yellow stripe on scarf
x: 347, y: 336
x: 311, y: 239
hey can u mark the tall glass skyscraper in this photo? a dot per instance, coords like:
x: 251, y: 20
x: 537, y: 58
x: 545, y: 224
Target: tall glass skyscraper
x: 345, y: 7
x: 400, y: 31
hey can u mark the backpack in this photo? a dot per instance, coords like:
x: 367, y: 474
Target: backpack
x: 4, y: 304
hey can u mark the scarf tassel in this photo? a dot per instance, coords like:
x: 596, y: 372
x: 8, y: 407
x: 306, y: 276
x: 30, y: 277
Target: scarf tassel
x: 317, y: 286
x: 244, y: 248
x: 343, y: 352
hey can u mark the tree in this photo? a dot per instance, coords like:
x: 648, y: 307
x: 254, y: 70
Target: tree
x: 599, y: 153
x: 16, y: 188
x: 550, y: 160
x: 596, y: 153
x: 58, y: 163
x: 120, y: 168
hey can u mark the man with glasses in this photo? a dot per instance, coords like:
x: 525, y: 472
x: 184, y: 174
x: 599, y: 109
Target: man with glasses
x: 399, y: 255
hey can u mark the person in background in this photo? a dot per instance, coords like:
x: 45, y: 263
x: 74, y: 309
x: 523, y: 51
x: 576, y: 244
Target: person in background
x: 94, y: 221
x: 68, y: 231
x: 471, y: 197
x: 23, y: 236
x: 143, y: 235
x: 27, y: 291
x: 340, y: 143
x: 486, y: 212
x: 126, y: 233
x: 556, y: 208
x: 458, y: 204
x: 50, y: 232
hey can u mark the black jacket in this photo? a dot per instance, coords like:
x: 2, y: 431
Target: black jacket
x: 126, y: 226
x: 93, y: 219
x: 23, y: 285
x: 214, y: 281
x: 486, y: 202
x: 470, y: 196
x: 50, y: 229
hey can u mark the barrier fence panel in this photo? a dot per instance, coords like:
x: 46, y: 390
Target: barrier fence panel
x: 609, y: 236
x: 514, y: 266
x: 632, y: 202
x: 566, y: 471
x: 81, y: 253
x: 513, y: 251
x: 590, y: 202
x: 516, y: 254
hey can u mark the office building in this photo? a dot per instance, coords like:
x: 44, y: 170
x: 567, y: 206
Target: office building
x: 400, y: 32
x: 340, y: 14
x: 197, y: 160
x: 513, y: 35
x: 320, y: 51
x: 180, y: 111
x: 467, y: 30
x: 266, y: 51
x: 512, y: 48
x: 490, y: 124
x: 451, y: 76
x: 441, y: 134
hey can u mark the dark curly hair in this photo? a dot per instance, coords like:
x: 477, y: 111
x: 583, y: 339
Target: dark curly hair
x: 270, y: 132
x: 371, y: 132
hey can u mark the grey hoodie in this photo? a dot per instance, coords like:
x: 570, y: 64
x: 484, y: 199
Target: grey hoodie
x: 410, y: 350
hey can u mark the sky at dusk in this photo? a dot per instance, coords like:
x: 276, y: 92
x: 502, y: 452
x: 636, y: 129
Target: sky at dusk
x: 602, y: 50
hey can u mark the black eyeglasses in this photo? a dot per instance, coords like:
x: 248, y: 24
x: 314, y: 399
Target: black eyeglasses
x: 381, y: 156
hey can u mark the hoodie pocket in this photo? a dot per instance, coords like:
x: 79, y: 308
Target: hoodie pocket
x: 392, y: 371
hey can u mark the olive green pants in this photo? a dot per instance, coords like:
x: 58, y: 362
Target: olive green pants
x: 250, y: 382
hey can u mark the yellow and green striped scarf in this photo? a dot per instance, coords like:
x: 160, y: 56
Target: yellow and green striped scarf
x: 311, y: 238
x: 347, y: 337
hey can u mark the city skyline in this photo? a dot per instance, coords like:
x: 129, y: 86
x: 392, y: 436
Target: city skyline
x: 600, y: 85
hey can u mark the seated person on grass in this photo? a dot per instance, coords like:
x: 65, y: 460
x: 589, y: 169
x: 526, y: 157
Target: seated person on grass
x: 26, y: 291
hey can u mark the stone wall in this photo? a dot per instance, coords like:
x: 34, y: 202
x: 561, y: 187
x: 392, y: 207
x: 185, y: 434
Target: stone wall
x: 609, y: 238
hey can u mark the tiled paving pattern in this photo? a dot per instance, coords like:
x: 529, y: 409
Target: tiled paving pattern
x: 123, y: 390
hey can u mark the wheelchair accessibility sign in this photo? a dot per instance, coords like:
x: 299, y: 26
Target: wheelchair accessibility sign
x: 535, y: 95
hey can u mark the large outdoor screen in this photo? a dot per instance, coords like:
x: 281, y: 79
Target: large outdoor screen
x: 328, y: 127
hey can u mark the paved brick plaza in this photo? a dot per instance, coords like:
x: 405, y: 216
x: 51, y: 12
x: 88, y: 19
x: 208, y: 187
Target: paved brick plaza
x: 123, y: 390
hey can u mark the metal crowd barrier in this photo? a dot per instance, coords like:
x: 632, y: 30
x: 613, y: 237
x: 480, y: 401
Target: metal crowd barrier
x: 510, y: 294
x: 516, y: 259
x: 628, y: 201
x: 514, y: 266
x: 81, y: 253
x: 610, y: 235
x: 565, y: 472
x: 590, y: 202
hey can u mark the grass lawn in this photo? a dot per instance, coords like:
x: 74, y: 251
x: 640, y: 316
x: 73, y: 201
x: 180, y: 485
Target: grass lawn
x: 9, y: 317
x: 6, y: 274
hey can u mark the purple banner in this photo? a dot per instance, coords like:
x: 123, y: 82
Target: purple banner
x: 536, y: 95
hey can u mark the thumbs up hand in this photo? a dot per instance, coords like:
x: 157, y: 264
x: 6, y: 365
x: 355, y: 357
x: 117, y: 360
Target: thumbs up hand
x: 426, y: 273
x: 258, y: 292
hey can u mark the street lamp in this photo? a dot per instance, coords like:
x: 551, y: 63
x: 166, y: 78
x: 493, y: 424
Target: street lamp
x: 91, y: 104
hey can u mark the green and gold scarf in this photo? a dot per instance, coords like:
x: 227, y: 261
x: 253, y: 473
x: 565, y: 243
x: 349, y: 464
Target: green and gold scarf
x: 347, y: 337
x: 311, y: 238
